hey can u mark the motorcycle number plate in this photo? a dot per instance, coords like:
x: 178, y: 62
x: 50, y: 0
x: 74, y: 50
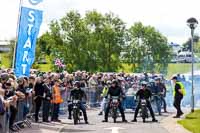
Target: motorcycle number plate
x: 115, y: 100
x: 143, y: 101
x: 75, y: 101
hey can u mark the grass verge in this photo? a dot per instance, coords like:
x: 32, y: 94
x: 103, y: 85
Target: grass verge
x: 5, y: 61
x: 192, y: 122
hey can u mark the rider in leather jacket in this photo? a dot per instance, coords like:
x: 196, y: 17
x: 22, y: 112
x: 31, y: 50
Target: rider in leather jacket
x: 144, y: 93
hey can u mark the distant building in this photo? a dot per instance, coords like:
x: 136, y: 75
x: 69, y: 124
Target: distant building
x: 4, y: 46
x: 175, y: 47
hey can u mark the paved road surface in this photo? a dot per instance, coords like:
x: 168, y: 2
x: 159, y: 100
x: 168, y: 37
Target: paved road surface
x: 96, y: 126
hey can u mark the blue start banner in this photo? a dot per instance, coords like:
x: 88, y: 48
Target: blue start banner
x: 29, y: 26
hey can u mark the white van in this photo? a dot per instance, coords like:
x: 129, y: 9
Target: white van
x: 186, y: 57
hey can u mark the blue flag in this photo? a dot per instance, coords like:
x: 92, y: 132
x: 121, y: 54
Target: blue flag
x: 29, y: 26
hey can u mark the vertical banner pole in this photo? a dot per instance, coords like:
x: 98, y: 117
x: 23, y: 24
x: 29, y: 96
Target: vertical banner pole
x: 17, y: 32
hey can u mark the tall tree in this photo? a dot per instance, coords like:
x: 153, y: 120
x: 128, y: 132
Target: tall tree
x: 147, y: 48
x: 74, y: 34
x: 96, y: 41
x: 107, y: 34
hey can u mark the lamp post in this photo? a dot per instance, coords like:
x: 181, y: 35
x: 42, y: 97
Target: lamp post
x: 192, y: 23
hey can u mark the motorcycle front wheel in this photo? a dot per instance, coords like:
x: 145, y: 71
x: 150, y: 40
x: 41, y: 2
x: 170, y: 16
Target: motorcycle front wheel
x: 75, y: 116
x: 144, y: 120
x: 115, y: 115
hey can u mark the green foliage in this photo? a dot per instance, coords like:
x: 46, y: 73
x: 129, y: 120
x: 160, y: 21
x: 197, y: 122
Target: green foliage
x: 191, y: 122
x: 35, y: 66
x: 147, y: 48
x: 197, y: 47
x: 106, y: 39
x: 5, y: 60
x: 187, y: 44
x: 92, y: 43
x: 181, y: 68
x: 45, y: 43
x: 97, y: 41
x: 44, y: 67
x: 12, y: 47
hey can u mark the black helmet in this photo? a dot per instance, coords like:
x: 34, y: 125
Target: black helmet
x: 144, y: 83
x: 77, y: 83
x: 157, y: 79
x: 174, y: 78
x: 115, y: 82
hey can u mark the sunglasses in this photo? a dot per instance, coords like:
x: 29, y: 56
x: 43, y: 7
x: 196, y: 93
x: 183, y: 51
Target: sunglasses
x: 8, y: 84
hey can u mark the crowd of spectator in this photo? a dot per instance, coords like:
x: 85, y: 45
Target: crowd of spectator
x: 48, y: 91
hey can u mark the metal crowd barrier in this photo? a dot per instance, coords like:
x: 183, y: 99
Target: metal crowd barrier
x: 65, y: 93
x: 187, y: 98
x: 23, y: 109
x: 94, y: 100
x: 130, y: 102
x: 26, y: 112
x: 21, y: 117
x: 93, y: 97
x: 4, y: 122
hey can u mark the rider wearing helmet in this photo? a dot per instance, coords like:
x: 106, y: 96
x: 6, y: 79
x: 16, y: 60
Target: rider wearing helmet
x: 78, y: 94
x: 115, y: 90
x: 144, y: 93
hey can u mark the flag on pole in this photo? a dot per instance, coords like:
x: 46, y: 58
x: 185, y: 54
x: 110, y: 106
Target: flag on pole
x: 29, y: 26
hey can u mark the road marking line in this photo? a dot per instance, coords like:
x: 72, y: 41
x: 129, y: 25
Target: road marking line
x: 115, y: 129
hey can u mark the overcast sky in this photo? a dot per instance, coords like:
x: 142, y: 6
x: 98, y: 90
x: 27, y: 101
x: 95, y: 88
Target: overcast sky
x: 167, y: 16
